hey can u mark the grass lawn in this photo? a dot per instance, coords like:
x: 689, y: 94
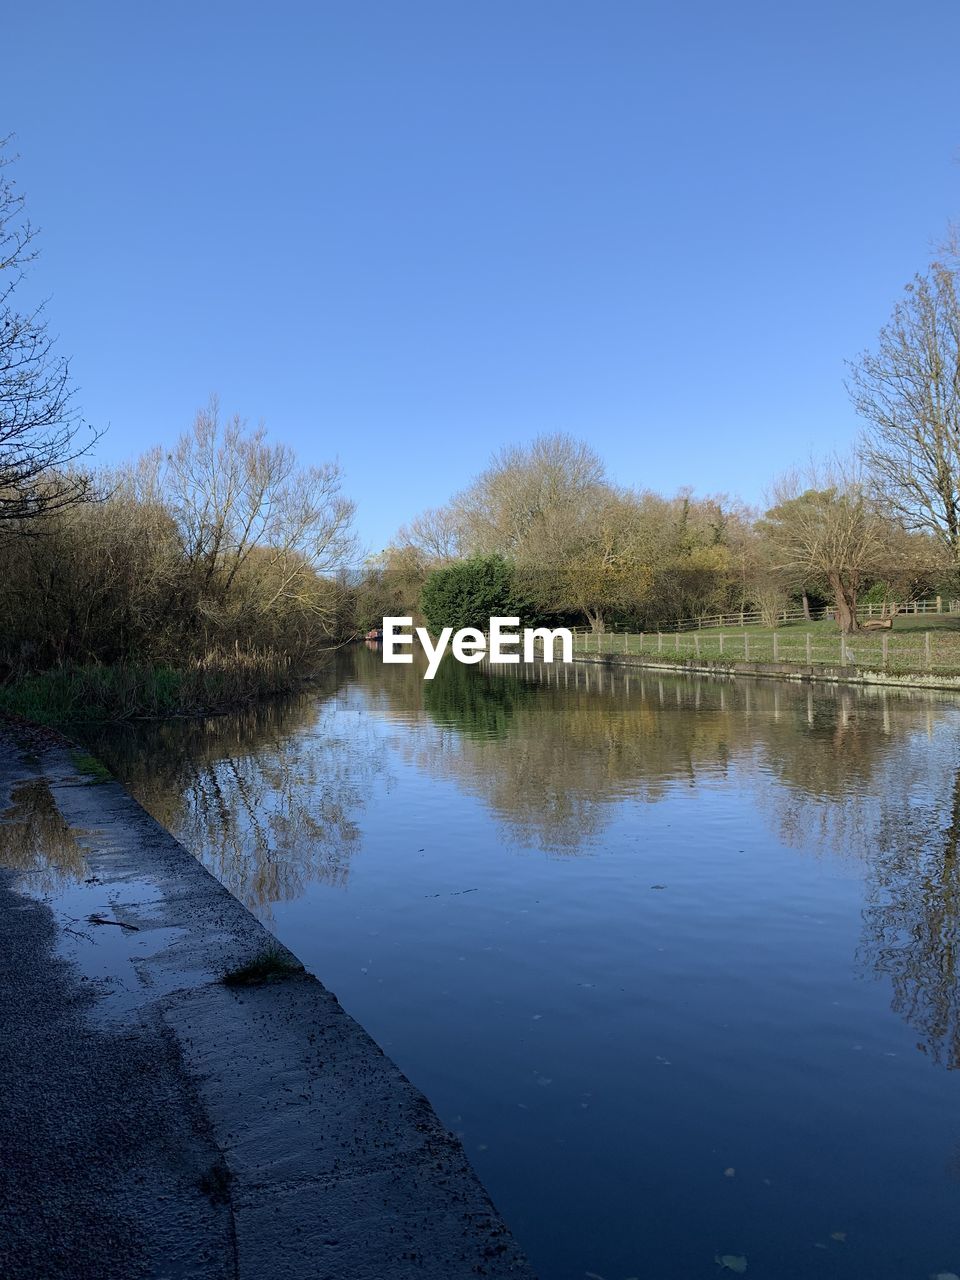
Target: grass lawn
x: 904, y: 648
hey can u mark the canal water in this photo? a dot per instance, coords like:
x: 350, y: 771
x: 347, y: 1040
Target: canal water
x: 676, y: 957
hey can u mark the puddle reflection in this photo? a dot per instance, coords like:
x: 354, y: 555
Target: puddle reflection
x: 36, y: 841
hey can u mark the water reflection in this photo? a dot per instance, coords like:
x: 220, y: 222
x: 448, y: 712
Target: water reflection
x: 552, y: 751
x: 912, y: 918
x: 36, y: 841
x: 267, y: 797
x: 271, y: 797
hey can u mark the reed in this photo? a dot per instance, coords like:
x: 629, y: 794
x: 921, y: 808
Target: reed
x: 216, y: 681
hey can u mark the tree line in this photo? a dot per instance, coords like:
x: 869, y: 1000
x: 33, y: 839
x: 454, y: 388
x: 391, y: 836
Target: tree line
x: 544, y: 534
x: 225, y: 544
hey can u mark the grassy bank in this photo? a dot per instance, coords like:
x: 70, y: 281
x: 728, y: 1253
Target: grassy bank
x: 915, y: 645
x: 89, y: 694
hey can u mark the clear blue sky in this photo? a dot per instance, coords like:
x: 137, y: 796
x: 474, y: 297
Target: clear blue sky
x: 405, y: 234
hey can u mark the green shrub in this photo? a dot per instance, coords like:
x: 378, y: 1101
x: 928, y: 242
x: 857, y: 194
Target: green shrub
x: 470, y: 593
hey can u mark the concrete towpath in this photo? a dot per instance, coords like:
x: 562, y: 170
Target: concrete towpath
x: 157, y: 1122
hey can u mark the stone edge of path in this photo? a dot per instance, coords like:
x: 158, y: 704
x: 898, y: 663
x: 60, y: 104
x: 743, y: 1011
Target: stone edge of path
x: 338, y: 1167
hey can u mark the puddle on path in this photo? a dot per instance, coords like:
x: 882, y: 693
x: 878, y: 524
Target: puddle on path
x: 105, y: 925
x: 103, y: 931
x: 37, y: 841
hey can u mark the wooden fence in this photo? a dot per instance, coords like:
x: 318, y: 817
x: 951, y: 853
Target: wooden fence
x: 756, y: 617
x: 904, y: 651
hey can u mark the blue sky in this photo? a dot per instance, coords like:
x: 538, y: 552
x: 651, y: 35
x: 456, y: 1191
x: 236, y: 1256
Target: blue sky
x: 405, y: 234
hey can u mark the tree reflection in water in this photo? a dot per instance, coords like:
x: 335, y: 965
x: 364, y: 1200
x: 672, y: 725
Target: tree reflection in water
x: 36, y: 841
x: 552, y: 752
x: 270, y: 798
x: 912, y: 918
x: 266, y: 797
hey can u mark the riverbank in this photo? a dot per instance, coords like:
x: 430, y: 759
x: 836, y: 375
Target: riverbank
x: 105, y: 693
x: 806, y: 673
x: 165, y: 1121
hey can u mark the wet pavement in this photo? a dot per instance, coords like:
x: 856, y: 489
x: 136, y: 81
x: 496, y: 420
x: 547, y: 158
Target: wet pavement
x: 157, y: 1122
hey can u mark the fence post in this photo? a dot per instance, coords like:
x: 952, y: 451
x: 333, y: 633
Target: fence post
x: 641, y: 642
x: 659, y: 642
x: 776, y: 653
x: 939, y: 605
x: 885, y: 647
x: 926, y: 647
x: 676, y: 642
x: 809, y: 659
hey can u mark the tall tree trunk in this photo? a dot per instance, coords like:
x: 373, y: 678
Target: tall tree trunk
x: 846, y: 602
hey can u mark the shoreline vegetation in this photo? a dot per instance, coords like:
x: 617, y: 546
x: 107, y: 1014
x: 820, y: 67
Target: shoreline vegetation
x: 98, y: 693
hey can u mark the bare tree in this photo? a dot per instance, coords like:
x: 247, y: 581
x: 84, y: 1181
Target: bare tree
x: 39, y: 423
x: 529, y: 496
x: 606, y: 563
x: 908, y: 390
x: 831, y: 531
x: 545, y: 506
x: 436, y: 535
x: 256, y: 528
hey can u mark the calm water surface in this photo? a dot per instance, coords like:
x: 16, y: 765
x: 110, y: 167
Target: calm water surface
x: 676, y: 958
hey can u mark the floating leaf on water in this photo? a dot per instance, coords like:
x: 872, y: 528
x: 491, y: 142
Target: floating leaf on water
x: 838, y: 1235
x: 945, y: 1275
x: 730, y: 1173
x: 592, y: 1275
x: 731, y: 1262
